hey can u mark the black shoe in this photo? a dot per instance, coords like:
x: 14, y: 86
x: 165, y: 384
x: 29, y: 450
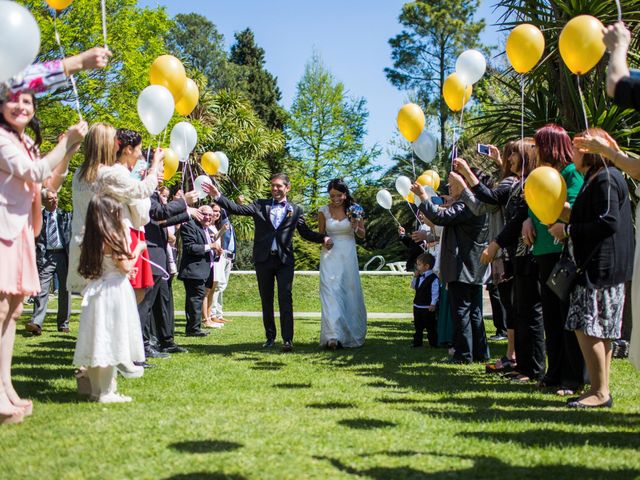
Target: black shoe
x: 63, y: 329
x: 143, y: 364
x: 579, y: 405
x: 287, y: 347
x: 153, y: 353
x: 174, y: 349
x: 197, y: 334
x: 269, y: 343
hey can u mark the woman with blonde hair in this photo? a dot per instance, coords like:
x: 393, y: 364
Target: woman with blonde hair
x: 100, y: 149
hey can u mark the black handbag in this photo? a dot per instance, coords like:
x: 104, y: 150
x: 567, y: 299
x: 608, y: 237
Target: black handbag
x: 565, y: 273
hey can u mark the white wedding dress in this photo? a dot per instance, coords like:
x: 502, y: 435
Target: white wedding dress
x: 344, y: 316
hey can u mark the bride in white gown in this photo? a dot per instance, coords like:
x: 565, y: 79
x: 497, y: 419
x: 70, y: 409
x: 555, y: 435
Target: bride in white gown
x: 344, y: 317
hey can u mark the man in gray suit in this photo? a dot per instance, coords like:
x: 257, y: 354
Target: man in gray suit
x: 52, y: 257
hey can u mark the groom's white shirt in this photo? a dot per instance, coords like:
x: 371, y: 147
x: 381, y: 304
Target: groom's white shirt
x: 276, y: 216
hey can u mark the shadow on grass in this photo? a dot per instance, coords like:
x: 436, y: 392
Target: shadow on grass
x: 207, y: 476
x: 484, y: 467
x: 331, y: 405
x: 206, y: 446
x: 365, y: 423
x: 292, y: 386
x: 555, y: 438
x: 265, y: 365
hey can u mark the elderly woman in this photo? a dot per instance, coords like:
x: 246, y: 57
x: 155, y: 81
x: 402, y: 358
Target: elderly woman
x: 601, y: 231
x: 22, y: 173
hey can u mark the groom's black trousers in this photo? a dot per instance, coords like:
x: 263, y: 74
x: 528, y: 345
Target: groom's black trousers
x: 267, y: 272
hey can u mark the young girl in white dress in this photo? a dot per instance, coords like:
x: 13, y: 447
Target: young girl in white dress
x: 109, y: 337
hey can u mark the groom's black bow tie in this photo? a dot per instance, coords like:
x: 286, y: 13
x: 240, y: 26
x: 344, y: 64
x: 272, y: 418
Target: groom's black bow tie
x: 282, y: 204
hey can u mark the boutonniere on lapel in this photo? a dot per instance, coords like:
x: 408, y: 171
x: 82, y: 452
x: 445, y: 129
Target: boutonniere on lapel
x: 289, y: 210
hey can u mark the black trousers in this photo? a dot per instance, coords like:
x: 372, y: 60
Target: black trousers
x: 505, y: 290
x: 53, y: 262
x: 424, y: 319
x: 469, y: 336
x: 194, y: 296
x: 498, y: 310
x: 162, y: 314
x: 528, y: 326
x: 267, y: 273
x: 565, y: 363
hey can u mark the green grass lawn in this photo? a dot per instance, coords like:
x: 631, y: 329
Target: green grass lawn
x: 229, y: 409
x: 382, y: 293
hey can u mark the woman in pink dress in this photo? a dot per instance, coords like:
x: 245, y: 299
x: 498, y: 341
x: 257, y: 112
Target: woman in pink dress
x: 22, y: 173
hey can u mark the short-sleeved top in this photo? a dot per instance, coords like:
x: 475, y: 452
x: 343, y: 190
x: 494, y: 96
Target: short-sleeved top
x: 544, y: 243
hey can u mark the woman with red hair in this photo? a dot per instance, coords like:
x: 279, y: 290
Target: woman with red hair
x: 565, y: 372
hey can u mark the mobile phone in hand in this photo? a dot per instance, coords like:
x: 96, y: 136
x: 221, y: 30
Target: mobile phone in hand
x: 437, y: 200
x: 483, y: 149
x: 634, y: 73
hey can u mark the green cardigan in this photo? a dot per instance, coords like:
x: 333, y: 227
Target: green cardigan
x: 544, y: 241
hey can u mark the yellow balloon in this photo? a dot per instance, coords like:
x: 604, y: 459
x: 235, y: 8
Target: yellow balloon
x: 59, y: 4
x: 410, y: 198
x: 210, y: 163
x: 189, y: 99
x: 411, y: 121
x: 581, y: 44
x: 545, y: 192
x: 168, y: 71
x: 525, y: 47
x: 429, y: 178
x: 454, y: 93
x: 171, y: 162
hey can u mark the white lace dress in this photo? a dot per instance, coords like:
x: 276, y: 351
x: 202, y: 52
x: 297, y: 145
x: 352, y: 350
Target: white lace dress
x: 82, y: 193
x: 344, y: 316
x: 109, y: 332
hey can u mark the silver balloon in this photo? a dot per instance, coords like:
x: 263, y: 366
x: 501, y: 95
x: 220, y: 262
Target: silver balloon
x: 224, y: 162
x: 183, y: 139
x: 425, y: 146
x: 384, y: 199
x: 19, y: 39
x: 155, y: 108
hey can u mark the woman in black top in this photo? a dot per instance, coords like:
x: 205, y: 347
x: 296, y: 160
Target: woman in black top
x: 601, y: 231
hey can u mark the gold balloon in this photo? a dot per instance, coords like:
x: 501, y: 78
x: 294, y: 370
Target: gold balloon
x: 189, y: 99
x: 429, y: 178
x: 454, y: 92
x: 411, y: 121
x: 171, y: 162
x: 545, y: 191
x: 410, y: 197
x: 59, y: 4
x: 210, y: 163
x: 525, y: 47
x: 168, y: 71
x: 581, y: 44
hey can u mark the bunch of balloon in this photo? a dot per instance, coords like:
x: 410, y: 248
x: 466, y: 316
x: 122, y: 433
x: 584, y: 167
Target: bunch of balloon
x: 545, y: 192
x: 403, y: 187
x: 384, y: 199
x: 525, y: 46
x: 19, y: 39
x: 59, y: 4
x: 429, y: 178
x: 168, y: 71
x: 581, y: 48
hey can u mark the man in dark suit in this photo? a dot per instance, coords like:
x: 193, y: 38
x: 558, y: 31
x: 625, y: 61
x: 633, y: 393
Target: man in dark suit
x: 275, y: 221
x: 464, y: 237
x: 52, y: 257
x: 156, y: 302
x: 199, y: 251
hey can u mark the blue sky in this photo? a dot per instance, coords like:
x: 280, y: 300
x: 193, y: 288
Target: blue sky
x: 350, y: 35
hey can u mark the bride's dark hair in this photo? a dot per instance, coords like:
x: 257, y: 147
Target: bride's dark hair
x: 339, y: 185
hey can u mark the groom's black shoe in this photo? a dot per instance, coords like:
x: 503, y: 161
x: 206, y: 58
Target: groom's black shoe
x: 269, y: 343
x: 287, y: 347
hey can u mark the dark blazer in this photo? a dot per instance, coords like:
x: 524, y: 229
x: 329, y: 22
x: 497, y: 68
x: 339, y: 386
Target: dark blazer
x: 64, y: 233
x: 610, y: 236
x: 195, y: 263
x: 463, y: 240
x: 172, y: 213
x: 265, y: 232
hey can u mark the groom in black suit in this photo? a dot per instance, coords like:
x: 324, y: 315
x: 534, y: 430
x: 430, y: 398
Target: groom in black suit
x: 275, y: 220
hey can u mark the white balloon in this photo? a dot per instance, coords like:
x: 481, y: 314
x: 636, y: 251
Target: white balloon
x: 224, y: 162
x: 19, y: 39
x: 155, y: 108
x: 197, y: 185
x: 183, y: 139
x: 425, y: 146
x: 470, y: 66
x: 416, y: 200
x: 430, y: 191
x: 383, y: 197
x: 403, y: 185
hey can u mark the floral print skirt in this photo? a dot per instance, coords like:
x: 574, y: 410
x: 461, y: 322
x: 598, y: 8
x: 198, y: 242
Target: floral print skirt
x: 597, y: 311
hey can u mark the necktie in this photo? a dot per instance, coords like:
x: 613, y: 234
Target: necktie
x: 52, y: 234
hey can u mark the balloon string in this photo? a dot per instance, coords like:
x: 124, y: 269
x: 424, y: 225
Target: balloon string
x: 104, y: 22
x: 619, y: 10
x: 165, y: 274
x: 413, y: 211
x: 457, y: 133
x: 584, y: 110
x: 71, y: 77
x: 521, y: 130
x: 393, y: 216
x: 234, y: 185
x: 413, y: 162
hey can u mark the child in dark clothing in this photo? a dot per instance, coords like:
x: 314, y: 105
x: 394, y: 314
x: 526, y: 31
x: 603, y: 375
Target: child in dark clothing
x: 425, y: 301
